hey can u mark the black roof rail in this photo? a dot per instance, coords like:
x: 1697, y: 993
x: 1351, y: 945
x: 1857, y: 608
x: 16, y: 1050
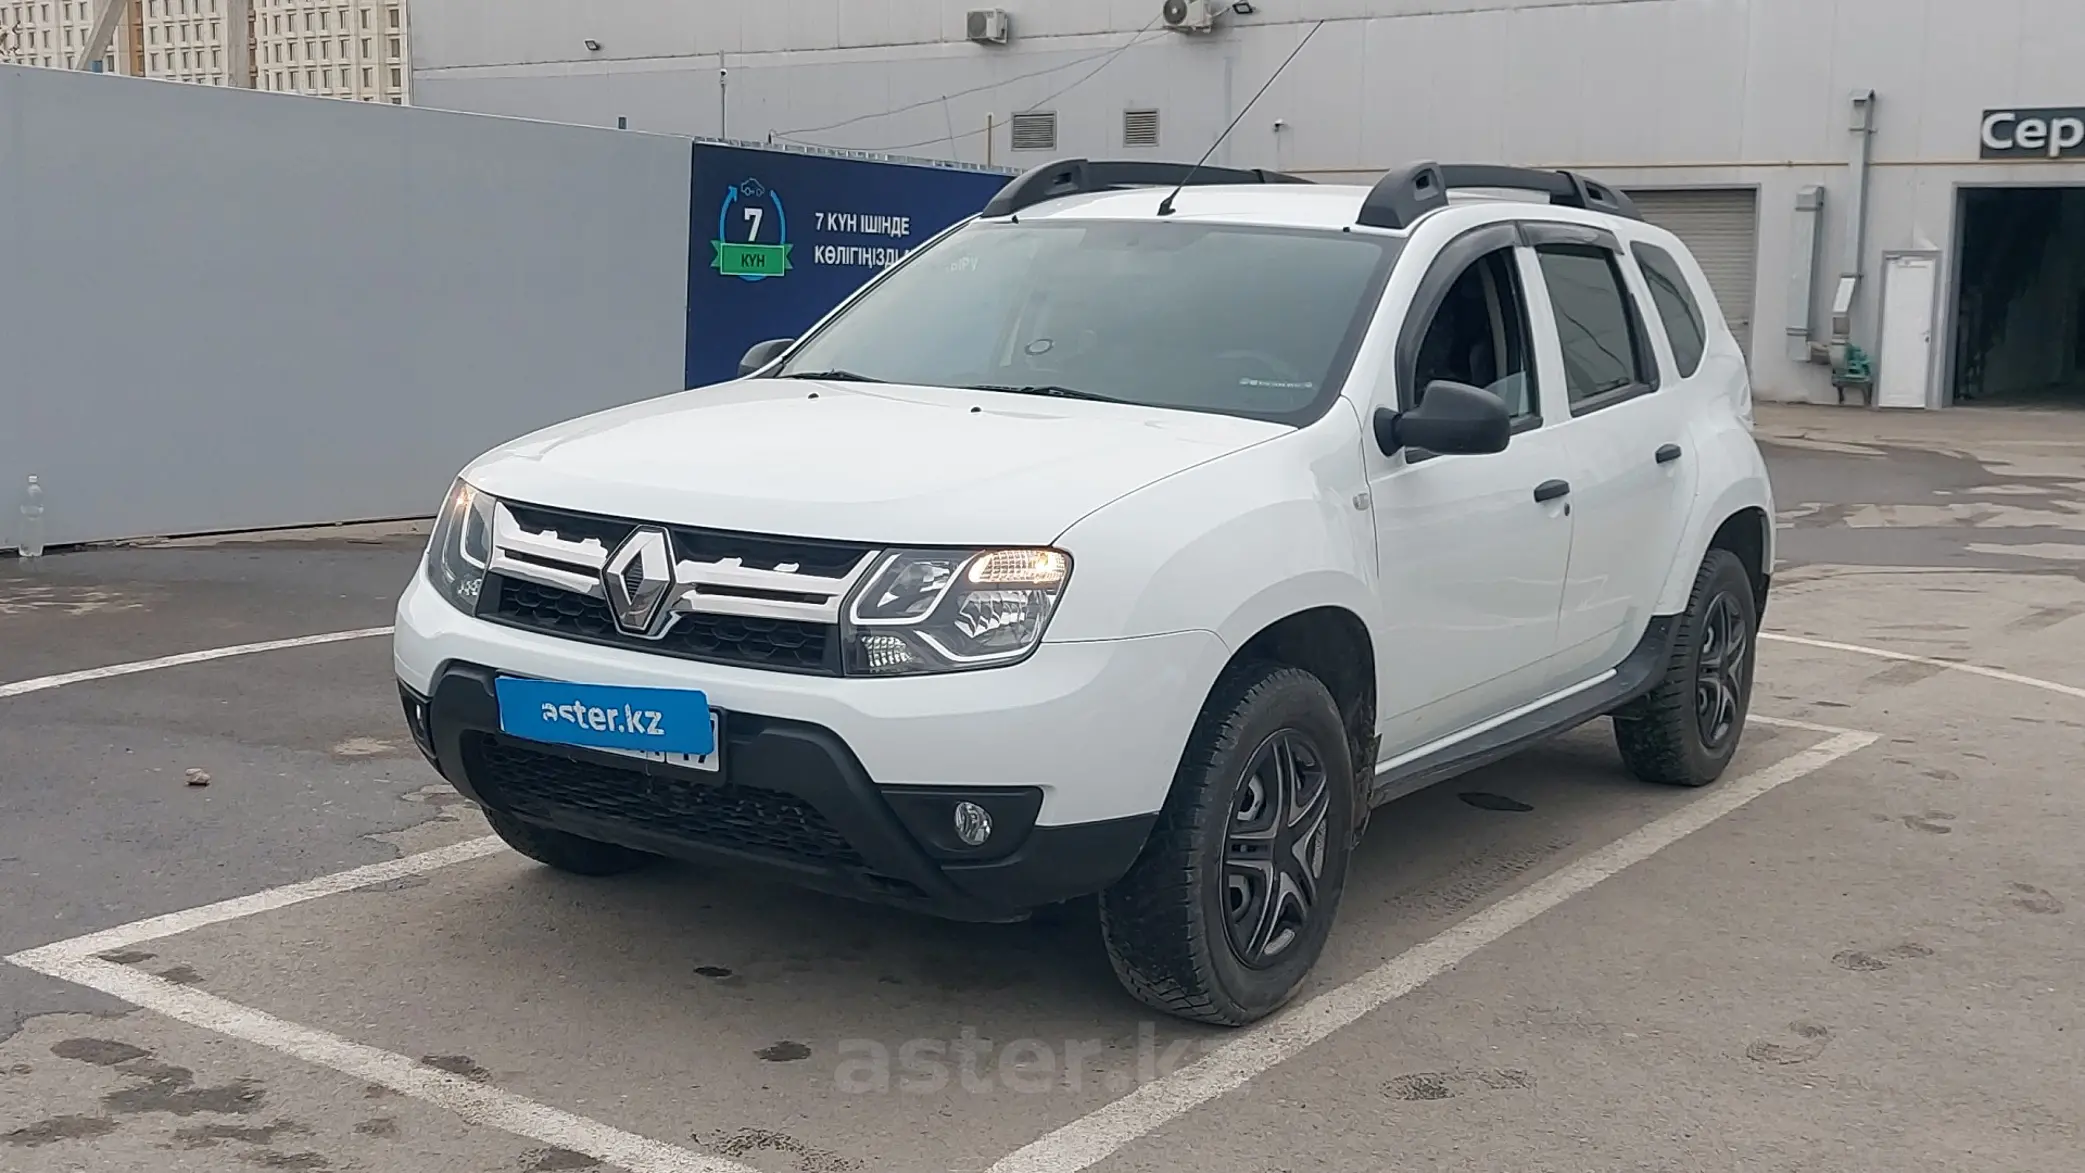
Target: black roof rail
x: 1067, y: 177
x: 1410, y: 192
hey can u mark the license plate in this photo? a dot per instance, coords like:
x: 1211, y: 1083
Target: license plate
x: 669, y: 725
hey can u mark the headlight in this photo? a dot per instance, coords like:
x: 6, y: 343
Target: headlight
x: 943, y: 611
x: 460, y: 547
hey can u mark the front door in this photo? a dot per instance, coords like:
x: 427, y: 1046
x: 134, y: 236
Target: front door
x: 1472, y: 557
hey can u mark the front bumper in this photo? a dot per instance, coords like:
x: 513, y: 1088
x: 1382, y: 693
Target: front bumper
x: 795, y: 805
x: 841, y: 784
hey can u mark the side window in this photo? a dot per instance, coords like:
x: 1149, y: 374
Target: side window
x: 1676, y: 307
x: 1479, y: 336
x: 1602, y: 341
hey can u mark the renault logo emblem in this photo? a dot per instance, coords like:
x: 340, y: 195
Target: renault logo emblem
x: 637, y: 578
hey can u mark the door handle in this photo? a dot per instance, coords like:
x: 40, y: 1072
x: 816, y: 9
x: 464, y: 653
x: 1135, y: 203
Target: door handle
x: 1668, y: 453
x: 1551, y: 490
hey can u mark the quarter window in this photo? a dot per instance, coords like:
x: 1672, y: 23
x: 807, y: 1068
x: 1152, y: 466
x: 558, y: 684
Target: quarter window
x: 1603, y: 355
x: 1676, y: 307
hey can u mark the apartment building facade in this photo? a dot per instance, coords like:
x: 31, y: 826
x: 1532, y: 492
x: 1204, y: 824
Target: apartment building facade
x: 351, y: 49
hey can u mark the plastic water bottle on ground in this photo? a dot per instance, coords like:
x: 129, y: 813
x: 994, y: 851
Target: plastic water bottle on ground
x: 30, y: 532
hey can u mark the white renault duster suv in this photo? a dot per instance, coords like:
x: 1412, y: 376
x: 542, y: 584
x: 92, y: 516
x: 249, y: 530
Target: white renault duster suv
x: 1122, y: 542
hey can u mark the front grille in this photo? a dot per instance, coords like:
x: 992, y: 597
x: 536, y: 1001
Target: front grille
x: 717, y: 635
x: 546, y: 786
x: 787, y: 645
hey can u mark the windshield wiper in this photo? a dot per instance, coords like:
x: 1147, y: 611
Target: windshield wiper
x: 1050, y: 389
x: 831, y: 376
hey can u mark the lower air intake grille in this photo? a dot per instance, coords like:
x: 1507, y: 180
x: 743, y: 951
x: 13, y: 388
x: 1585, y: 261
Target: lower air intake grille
x: 744, y: 818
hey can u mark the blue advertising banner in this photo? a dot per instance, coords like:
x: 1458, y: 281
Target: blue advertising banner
x: 778, y: 238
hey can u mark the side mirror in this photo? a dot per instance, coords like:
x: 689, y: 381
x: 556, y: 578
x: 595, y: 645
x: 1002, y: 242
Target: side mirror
x: 1452, y: 419
x: 762, y: 354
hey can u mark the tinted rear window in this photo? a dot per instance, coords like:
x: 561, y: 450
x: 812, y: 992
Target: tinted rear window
x: 1676, y: 306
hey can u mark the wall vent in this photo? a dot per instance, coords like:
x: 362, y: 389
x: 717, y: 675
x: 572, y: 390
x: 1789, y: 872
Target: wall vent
x: 1140, y: 128
x: 1035, y: 131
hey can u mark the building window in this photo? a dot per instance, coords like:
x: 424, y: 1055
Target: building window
x: 364, y: 14
x: 217, y: 58
x: 391, y: 16
x: 368, y: 50
x: 394, y: 48
x: 367, y: 79
x: 1035, y: 131
x: 155, y: 62
x: 1140, y: 128
x: 395, y: 82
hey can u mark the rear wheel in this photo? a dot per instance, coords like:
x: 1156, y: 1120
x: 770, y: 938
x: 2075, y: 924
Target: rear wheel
x: 1227, y: 909
x: 564, y: 851
x: 1685, y: 731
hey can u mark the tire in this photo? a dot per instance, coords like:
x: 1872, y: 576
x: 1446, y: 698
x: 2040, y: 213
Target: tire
x: 564, y: 851
x: 1685, y: 730
x: 1168, y: 924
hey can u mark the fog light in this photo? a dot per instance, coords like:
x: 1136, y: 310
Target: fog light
x: 973, y: 824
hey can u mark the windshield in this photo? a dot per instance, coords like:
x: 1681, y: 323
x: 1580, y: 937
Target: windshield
x: 1246, y: 321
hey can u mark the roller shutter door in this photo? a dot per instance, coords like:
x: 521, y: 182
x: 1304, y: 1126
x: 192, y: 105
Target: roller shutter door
x: 1721, y: 228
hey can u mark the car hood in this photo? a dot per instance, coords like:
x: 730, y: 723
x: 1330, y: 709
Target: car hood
x: 865, y: 462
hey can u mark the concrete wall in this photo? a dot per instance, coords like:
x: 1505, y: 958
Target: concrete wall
x: 1645, y: 92
x: 224, y: 309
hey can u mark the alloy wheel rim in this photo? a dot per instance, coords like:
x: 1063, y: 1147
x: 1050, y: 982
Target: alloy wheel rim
x: 1275, y: 849
x: 1719, y: 679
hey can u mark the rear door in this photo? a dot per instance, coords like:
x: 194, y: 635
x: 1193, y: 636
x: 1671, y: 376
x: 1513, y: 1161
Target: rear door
x: 1631, y: 481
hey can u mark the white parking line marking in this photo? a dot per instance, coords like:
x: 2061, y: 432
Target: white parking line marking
x: 190, y: 919
x: 1087, y: 1141
x: 1908, y: 658
x: 476, y: 1103
x: 42, y: 683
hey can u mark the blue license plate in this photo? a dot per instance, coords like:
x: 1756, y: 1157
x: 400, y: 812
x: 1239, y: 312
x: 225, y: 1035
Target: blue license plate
x: 650, y: 721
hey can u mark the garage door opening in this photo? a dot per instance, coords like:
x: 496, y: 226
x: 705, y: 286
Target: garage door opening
x: 2020, y: 302
x: 1721, y: 229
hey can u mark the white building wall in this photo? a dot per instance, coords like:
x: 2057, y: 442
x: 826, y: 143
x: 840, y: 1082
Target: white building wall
x: 1643, y: 92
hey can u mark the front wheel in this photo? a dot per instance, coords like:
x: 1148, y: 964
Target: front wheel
x: 1684, y: 732
x: 1227, y: 909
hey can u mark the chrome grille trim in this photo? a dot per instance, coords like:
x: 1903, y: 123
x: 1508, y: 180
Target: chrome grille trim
x: 699, y: 587
x: 510, y: 540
